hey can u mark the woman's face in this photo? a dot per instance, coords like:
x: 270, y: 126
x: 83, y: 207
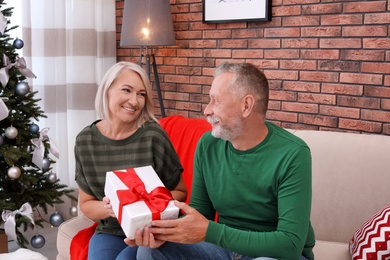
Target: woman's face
x: 126, y: 97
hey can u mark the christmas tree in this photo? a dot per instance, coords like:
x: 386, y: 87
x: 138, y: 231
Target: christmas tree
x: 27, y: 183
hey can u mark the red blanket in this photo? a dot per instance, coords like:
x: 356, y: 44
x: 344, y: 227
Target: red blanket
x: 184, y: 134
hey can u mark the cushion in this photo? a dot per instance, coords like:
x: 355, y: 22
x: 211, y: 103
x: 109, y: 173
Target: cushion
x: 372, y: 239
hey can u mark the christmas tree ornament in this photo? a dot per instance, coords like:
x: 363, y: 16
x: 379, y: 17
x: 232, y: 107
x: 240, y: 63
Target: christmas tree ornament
x: 18, y: 43
x: 22, y: 88
x: 33, y: 128
x: 52, y: 177
x: 73, y: 211
x: 11, y: 132
x: 56, y: 219
x: 38, y: 241
x: 45, y: 164
x: 14, y: 172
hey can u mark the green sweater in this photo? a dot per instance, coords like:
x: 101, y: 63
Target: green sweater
x: 96, y: 154
x: 262, y: 195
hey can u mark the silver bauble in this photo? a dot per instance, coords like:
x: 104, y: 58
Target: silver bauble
x: 14, y: 172
x: 38, y: 241
x: 45, y: 164
x: 11, y: 132
x: 22, y: 88
x: 33, y: 128
x: 73, y: 211
x: 18, y: 43
x: 52, y: 177
x: 56, y: 219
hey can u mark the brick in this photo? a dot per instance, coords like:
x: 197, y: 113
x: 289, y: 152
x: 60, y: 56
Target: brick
x: 185, y: 70
x: 281, y: 54
x: 364, y: 31
x: 282, y: 116
x: 190, y: 88
x: 321, y: 31
x: 386, y: 127
x: 376, y: 43
x: 356, y: 90
x: 282, y: 32
x: 207, y: 62
x: 359, y: 125
x: 264, y: 43
x: 356, y: 78
x: 340, y: 111
x: 196, y: 8
x: 347, y: 19
x: 218, y: 53
x: 300, y: 107
x: 341, y: 43
x: 301, y: 86
x: 183, y: 26
x: 301, y: 43
x: 281, y: 74
x: 188, y: 35
x: 376, y: 115
x: 369, y: 55
x: 319, y: 76
x: 300, y: 21
x: 177, y: 78
x: 189, y: 53
x: 248, y: 33
x: 322, y: 9
x: 233, y: 44
x: 217, y: 34
x: 287, y: 10
x: 176, y: 96
x: 376, y: 67
x: 299, y: 126
x: 320, y: 54
x: 189, y: 17
x: 180, y: 8
x: 203, y: 44
x: 298, y: 64
x: 362, y: 102
x: 299, y: 2
x: 199, y: 98
x: 194, y: 25
x: 249, y: 53
x: 382, y: 92
x: 188, y: 106
x: 385, y: 104
x: 282, y: 95
x: 364, y: 7
x: 175, y: 61
x: 352, y: 66
x: 275, y: 84
x: 377, y: 18
x: 387, y: 81
x: 201, y: 80
x: 264, y: 64
x: 274, y: 105
x: 318, y: 120
x: 317, y: 98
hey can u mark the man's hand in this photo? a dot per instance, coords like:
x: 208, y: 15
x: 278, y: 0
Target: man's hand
x: 187, y: 230
x: 108, y: 207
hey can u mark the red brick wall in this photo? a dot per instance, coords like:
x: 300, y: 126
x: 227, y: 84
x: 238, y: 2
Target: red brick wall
x: 328, y: 61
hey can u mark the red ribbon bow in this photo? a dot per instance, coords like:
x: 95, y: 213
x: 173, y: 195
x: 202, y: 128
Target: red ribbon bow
x: 157, y: 200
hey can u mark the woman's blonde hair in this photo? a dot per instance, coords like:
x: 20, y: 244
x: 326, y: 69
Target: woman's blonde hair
x: 101, y: 100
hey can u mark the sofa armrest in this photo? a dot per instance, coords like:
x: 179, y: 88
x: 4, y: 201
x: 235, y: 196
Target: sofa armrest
x: 66, y: 231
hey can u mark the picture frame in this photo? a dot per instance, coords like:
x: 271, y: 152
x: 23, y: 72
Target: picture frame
x: 224, y: 11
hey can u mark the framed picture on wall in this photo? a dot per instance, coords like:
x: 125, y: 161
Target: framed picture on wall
x: 225, y: 11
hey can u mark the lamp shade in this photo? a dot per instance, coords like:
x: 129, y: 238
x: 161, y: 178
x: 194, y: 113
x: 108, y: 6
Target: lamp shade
x: 147, y: 23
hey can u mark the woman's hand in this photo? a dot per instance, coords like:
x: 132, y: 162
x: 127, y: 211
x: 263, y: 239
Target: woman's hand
x: 144, y: 238
x: 108, y: 207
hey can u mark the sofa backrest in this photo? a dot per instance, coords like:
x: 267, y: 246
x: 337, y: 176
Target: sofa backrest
x: 184, y: 134
x: 351, y: 180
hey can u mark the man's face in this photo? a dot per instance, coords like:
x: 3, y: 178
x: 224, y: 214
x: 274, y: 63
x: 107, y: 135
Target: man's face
x: 223, y: 110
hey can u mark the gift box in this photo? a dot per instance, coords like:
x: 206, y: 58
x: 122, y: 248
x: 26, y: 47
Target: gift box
x: 138, y: 196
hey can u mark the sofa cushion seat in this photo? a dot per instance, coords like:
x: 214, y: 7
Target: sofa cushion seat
x: 327, y: 250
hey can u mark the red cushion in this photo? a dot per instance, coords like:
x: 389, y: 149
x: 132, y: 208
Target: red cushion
x: 79, y: 244
x: 184, y: 134
x: 372, y: 239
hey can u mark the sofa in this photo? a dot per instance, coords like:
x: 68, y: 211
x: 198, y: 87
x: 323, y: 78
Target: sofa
x: 351, y: 177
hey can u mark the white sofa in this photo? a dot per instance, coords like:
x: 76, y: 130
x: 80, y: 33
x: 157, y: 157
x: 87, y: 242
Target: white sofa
x: 351, y: 177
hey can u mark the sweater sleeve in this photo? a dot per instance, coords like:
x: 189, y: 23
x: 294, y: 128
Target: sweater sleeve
x: 293, y: 222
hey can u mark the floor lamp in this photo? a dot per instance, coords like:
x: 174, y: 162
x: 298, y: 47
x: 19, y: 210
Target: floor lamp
x: 148, y: 23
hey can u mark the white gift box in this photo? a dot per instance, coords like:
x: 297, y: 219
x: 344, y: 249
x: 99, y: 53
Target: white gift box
x: 137, y: 215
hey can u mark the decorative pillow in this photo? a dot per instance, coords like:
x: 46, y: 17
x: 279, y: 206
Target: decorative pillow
x: 372, y: 239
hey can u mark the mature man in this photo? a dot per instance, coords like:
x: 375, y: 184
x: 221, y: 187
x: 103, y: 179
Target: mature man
x: 253, y: 174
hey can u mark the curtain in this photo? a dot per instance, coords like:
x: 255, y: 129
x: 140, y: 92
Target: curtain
x: 69, y: 45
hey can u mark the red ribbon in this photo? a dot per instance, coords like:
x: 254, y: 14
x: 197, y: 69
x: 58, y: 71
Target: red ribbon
x: 157, y: 200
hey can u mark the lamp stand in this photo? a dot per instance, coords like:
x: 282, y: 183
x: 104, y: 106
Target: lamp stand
x: 156, y: 78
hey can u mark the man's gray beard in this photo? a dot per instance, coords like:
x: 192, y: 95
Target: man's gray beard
x: 228, y: 133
